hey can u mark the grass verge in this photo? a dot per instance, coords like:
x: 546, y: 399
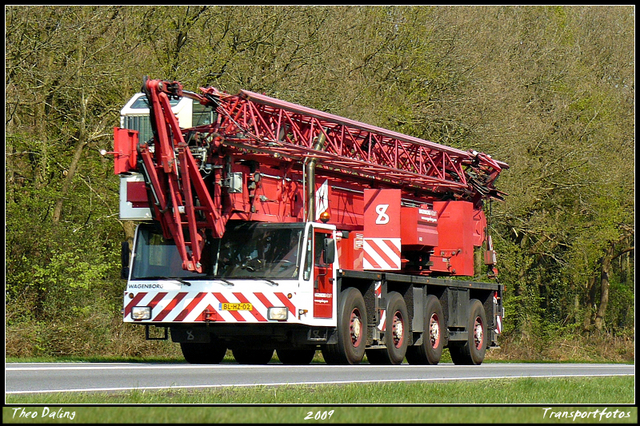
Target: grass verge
x: 455, y: 402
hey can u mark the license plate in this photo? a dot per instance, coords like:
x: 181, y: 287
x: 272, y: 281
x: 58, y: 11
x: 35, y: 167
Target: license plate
x: 236, y: 307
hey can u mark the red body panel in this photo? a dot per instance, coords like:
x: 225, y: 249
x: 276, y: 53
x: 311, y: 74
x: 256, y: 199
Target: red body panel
x: 125, y: 143
x: 137, y: 194
x: 382, y: 229
x: 460, y: 229
x: 419, y: 227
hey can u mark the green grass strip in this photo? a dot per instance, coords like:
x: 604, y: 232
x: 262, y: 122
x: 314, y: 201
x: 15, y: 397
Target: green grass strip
x: 212, y: 405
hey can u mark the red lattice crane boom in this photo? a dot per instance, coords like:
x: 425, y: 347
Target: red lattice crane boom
x: 359, y: 148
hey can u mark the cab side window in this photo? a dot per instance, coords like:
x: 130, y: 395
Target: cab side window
x: 308, y: 265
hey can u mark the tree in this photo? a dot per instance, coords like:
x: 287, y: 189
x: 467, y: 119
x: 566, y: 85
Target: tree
x: 60, y: 213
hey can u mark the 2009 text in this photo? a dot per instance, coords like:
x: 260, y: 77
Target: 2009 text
x: 319, y: 415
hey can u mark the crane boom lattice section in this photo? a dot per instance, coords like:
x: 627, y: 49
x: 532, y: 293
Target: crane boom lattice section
x: 271, y: 125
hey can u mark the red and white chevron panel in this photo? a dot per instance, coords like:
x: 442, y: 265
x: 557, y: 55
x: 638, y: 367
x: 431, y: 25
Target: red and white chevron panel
x: 382, y: 325
x: 382, y: 254
x: 189, y: 307
x: 498, y: 317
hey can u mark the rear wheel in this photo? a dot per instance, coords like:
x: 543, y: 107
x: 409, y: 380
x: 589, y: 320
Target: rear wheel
x: 204, y: 353
x: 396, y: 333
x: 473, y: 350
x: 430, y: 351
x: 352, y: 330
x: 252, y: 356
x: 296, y: 356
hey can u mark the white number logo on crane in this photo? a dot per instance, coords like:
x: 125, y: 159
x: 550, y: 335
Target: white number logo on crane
x: 383, y: 217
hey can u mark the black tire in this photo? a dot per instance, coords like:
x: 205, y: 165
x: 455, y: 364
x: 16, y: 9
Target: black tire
x: 296, y: 356
x: 204, y: 353
x: 430, y: 351
x: 352, y: 330
x: 252, y: 356
x: 396, y: 336
x: 473, y: 350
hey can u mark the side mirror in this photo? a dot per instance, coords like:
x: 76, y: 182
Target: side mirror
x: 124, y: 259
x: 329, y: 251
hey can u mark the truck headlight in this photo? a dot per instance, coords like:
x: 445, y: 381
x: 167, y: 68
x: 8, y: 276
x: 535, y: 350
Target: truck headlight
x: 277, y: 313
x: 141, y: 312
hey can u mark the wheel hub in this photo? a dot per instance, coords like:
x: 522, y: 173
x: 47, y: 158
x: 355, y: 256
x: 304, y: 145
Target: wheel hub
x: 434, y: 331
x: 478, y: 335
x: 355, y: 328
x: 398, y: 330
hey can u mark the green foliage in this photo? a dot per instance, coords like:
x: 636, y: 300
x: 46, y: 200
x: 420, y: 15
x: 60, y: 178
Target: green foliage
x: 70, y: 263
x: 621, y: 315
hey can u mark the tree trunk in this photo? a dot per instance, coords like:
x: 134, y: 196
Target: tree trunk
x: 590, y: 303
x: 73, y: 167
x: 605, y: 270
x: 82, y: 135
x: 129, y: 231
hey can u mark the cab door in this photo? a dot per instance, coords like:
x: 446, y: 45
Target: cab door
x: 323, y: 279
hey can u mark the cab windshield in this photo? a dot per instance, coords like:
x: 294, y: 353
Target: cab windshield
x: 247, y: 250
x: 259, y: 250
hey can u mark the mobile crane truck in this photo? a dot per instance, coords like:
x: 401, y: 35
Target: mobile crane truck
x: 265, y: 225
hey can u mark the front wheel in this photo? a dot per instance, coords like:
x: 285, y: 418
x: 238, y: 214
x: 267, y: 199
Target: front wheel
x: 204, y: 353
x: 352, y: 330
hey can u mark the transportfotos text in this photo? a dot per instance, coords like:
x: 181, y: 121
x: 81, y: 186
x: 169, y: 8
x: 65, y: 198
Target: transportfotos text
x: 550, y: 413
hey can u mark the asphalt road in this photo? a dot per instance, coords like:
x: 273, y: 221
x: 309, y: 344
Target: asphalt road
x: 21, y: 378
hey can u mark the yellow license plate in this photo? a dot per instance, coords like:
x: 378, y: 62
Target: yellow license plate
x: 236, y: 307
